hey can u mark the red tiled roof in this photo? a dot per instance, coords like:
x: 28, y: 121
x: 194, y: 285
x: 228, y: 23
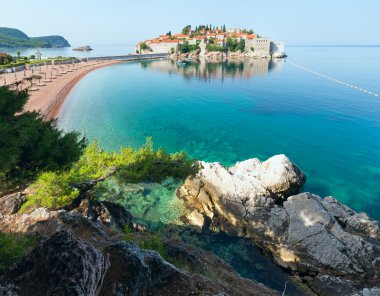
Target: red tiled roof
x: 169, y: 41
x: 181, y: 35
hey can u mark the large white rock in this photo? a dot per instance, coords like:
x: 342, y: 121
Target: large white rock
x: 330, y: 246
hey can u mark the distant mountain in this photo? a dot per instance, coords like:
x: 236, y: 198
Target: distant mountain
x: 14, y: 38
x: 52, y: 41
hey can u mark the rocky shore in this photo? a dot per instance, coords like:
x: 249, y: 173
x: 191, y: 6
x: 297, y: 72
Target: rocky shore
x: 83, y: 251
x: 217, y: 55
x: 328, y: 247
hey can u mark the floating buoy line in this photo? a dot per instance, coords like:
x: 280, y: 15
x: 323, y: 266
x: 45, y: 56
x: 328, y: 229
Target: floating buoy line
x: 335, y: 80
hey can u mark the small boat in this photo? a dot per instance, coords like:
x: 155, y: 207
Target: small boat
x: 182, y: 63
x: 188, y: 59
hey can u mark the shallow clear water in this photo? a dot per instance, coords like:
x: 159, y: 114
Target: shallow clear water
x: 233, y: 111
x: 156, y: 206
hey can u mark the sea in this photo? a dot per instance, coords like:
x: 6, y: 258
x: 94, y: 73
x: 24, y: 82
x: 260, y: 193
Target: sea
x: 320, y: 106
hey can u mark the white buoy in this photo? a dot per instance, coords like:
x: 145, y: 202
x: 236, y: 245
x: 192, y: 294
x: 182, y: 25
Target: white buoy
x: 335, y: 80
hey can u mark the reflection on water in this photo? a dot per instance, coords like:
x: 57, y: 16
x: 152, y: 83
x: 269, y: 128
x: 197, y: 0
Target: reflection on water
x: 207, y: 70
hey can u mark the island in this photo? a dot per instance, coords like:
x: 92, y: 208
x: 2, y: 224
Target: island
x: 83, y: 48
x: 15, y: 39
x: 211, y: 41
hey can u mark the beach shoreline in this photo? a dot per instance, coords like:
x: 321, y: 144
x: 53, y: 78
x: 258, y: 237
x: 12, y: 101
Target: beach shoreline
x: 57, y: 102
x: 51, y: 84
x: 48, y: 99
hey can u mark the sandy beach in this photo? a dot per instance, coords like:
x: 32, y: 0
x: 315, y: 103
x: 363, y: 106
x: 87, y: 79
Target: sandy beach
x: 48, y: 94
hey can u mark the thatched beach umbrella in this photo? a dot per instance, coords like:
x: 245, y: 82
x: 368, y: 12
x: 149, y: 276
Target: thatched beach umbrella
x: 56, y: 69
x: 38, y: 77
x: 29, y: 79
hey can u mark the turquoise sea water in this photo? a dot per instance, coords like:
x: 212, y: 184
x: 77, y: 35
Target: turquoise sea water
x: 229, y: 112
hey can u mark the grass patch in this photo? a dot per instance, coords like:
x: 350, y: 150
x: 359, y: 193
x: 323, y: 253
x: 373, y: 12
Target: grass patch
x: 13, y: 247
x: 152, y: 241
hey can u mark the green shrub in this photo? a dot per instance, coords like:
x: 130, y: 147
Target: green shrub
x: 12, y: 248
x: 52, y: 190
x: 58, y: 189
x: 148, y: 164
x: 151, y: 241
x: 214, y: 47
x: 11, y: 65
x: 128, y: 234
x: 234, y: 45
x: 154, y: 242
x: 186, y: 47
x: 5, y: 58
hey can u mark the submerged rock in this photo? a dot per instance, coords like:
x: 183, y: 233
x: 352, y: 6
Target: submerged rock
x: 328, y: 245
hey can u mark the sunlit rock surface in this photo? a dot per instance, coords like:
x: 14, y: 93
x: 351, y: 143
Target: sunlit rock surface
x: 327, y: 244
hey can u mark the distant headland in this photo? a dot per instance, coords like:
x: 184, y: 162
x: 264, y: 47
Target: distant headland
x: 209, y: 41
x: 15, y: 39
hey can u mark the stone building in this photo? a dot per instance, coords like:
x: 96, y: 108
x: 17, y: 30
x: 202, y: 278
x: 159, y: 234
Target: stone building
x: 254, y: 46
x: 260, y: 46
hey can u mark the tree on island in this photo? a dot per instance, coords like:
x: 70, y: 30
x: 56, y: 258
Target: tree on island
x: 224, y: 28
x: 186, y: 30
x: 169, y: 33
x: 144, y: 46
x: 234, y: 45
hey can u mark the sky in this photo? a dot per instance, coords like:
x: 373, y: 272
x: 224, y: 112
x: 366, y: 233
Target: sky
x: 119, y: 22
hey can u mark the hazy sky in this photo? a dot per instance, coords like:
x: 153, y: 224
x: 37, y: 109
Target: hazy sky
x: 97, y: 22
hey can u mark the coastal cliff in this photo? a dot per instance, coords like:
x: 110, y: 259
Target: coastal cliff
x: 326, y: 245
x: 83, y: 251
x: 14, y: 38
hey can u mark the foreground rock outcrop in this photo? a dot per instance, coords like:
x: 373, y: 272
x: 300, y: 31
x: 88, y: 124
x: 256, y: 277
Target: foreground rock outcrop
x: 60, y: 265
x: 84, y: 254
x: 329, y: 247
